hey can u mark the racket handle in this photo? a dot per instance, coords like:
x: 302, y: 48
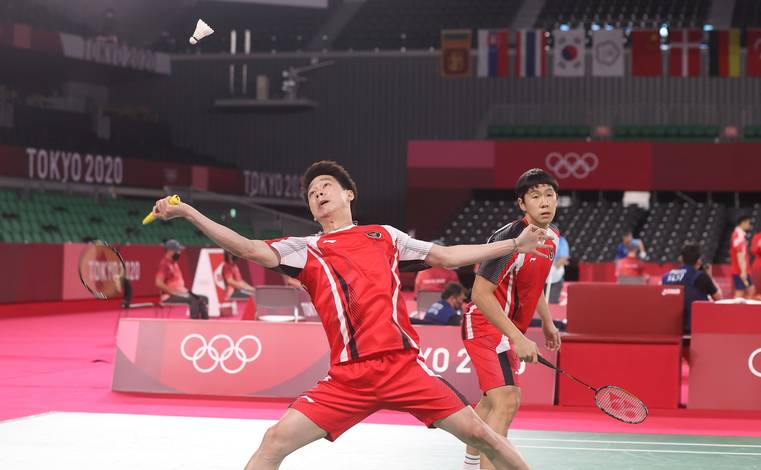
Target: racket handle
x: 174, y: 200
x: 545, y: 362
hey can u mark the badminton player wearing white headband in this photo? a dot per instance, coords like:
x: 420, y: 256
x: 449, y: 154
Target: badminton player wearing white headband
x: 352, y: 274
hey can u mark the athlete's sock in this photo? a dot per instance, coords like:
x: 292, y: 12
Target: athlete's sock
x: 472, y: 462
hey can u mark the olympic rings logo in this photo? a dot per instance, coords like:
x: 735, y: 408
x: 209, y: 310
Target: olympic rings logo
x: 571, y: 164
x: 752, y: 368
x: 219, y: 357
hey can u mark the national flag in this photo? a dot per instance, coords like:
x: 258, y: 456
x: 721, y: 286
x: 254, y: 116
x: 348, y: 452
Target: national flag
x: 724, y: 53
x: 608, y: 53
x: 492, y: 53
x: 530, y: 54
x: 684, y: 53
x: 753, y: 56
x: 568, y: 53
x: 647, y: 60
x: 455, y: 52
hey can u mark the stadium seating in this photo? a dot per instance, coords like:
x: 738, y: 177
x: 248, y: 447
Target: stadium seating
x: 52, y: 217
x: 539, y: 131
x: 621, y: 132
x: 752, y: 133
x: 666, y: 132
x: 669, y: 225
x: 417, y: 24
x: 593, y: 229
x: 623, y: 13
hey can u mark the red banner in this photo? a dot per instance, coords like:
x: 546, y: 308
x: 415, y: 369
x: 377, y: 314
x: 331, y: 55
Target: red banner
x: 235, y: 358
x: 725, y: 357
x: 577, y: 164
x: 633, y: 166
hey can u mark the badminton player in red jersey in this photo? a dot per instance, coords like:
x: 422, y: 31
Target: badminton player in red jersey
x: 352, y: 274
x: 506, y: 293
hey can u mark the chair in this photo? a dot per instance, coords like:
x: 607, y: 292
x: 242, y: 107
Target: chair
x: 426, y: 298
x: 281, y: 301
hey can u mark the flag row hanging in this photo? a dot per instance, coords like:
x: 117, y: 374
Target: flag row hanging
x: 569, y: 57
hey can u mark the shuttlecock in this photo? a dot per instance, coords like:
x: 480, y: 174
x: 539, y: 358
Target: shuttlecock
x: 202, y: 30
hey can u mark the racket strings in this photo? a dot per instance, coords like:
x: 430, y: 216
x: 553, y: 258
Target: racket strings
x: 621, y: 404
x: 101, y: 269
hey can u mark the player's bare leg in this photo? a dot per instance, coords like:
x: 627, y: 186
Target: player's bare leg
x: 472, y: 430
x: 504, y: 405
x: 293, y: 431
x: 483, y: 409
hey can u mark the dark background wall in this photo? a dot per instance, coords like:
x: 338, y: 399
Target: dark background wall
x: 370, y: 105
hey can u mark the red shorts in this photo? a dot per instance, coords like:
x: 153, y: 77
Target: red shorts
x: 397, y: 380
x: 493, y: 369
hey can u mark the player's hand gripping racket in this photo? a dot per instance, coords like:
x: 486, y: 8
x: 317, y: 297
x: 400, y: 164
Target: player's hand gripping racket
x: 173, y: 200
x: 613, y: 401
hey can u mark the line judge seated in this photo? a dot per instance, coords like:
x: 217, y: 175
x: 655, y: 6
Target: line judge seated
x: 235, y: 286
x: 171, y: 284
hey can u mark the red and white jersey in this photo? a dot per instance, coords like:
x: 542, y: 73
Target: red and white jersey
x: 352, y: 275
x: 520, y: 279
x: 738, y: 245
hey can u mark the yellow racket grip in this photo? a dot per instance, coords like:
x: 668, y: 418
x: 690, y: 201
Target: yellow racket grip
x: 174, y: 200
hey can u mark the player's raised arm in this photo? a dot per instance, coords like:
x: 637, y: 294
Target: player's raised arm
x: 462, y: 255
x: 254, y: 250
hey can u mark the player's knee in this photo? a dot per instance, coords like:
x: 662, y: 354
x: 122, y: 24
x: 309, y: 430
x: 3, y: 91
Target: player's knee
x: 507, y: 405
x: 505, y: 402
x: 479, y: 435
x: 274, y: 444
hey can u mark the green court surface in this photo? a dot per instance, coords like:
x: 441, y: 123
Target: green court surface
x: 576, y: 450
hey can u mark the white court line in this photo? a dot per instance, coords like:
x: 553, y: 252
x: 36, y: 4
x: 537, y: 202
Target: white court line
x: 660, y: 451
x: 590, y: 441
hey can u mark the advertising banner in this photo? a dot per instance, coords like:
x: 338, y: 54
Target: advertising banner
x: 234, y: 358
x: 730, y: 380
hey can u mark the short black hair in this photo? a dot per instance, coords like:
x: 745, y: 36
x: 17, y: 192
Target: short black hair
x: 742, y: 218
x: 691, y: 252
x: 453, y: 288
x: 329, y: 168
x: 532, y: 178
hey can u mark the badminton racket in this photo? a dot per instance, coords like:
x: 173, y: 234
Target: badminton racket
x: 613, y: 401
x: 102, y: 270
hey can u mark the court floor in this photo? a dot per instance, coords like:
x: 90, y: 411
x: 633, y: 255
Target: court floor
x: 83, y: 441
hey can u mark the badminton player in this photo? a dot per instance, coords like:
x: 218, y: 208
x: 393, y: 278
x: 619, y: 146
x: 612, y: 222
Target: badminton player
x: 506, y: 292
x: 352, y: 274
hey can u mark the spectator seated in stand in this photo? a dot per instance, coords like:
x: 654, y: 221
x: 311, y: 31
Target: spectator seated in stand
x: 447, y: 310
